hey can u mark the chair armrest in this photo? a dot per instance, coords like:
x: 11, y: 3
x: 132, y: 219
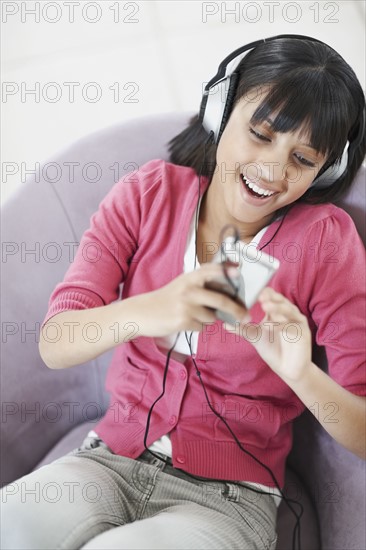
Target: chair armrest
x: 335, y: 480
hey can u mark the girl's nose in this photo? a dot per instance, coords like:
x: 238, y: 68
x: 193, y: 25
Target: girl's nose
x: 276, y: 167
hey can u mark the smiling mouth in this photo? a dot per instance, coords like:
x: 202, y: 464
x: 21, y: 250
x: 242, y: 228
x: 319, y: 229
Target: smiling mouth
x: 255, y: 190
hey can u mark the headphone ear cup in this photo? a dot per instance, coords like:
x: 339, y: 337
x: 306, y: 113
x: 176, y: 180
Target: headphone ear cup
x: 216, y: 105
x: 333, y: 172
x: 201, y: 115
x: 228, y: 103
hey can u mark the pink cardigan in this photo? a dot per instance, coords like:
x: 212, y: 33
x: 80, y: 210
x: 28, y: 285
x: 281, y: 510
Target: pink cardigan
x: 138, y: 237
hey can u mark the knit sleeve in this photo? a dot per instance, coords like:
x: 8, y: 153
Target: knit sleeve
x: 332, y: 275
x: 106, y: 248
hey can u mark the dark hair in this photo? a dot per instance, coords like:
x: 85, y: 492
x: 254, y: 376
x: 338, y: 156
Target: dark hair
x: 310, y: 85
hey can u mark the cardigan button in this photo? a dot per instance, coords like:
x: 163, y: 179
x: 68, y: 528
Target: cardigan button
x: 181, y: 459
x: 182, y: 374
x: 172, y: 420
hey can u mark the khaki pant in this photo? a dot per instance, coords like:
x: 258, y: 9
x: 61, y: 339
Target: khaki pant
x: 94, y: 499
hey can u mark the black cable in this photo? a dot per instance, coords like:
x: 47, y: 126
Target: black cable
x: 297, y: 528
x: 210, y: 137
x: 274, y: 479
x: 158, y: 398
x: 288, y: 208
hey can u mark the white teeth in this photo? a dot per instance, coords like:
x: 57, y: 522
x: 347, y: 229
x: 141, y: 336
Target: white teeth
x: 257, y: 189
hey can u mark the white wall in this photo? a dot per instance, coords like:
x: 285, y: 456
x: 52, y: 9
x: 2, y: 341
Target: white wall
x: 159, y: 54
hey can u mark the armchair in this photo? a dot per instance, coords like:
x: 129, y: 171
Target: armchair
x: 46, y: 413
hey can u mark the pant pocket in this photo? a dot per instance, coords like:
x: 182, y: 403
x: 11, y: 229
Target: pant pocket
x: 259, y: 513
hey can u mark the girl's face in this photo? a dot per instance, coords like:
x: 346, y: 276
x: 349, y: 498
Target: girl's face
x: 259, y: 171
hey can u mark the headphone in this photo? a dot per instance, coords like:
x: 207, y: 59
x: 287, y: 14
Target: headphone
x: 216, y: 107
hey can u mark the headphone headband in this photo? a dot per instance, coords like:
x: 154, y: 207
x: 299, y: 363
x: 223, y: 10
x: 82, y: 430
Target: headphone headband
x: 227, y: 66
x: 215, y: 108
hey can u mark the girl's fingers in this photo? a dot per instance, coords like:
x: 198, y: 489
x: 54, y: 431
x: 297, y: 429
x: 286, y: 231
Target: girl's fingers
x: 278, y: 307
x: 269, y: 293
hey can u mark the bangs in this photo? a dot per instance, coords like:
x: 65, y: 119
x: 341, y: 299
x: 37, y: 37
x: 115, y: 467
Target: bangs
x: 310, y: 101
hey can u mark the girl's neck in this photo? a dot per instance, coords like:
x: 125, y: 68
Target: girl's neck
x: 212, y: 220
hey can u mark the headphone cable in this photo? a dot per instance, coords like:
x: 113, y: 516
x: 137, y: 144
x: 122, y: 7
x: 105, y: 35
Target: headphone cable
x: 297, y: 527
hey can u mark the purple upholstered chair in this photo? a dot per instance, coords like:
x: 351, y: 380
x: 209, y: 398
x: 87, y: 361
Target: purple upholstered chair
x: 46, y: 413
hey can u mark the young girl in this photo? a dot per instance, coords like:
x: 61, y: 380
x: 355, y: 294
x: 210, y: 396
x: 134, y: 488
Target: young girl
x: 201, y: 411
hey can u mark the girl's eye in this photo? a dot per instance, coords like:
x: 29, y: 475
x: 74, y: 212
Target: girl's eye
x: 301, y: 159
x: 259, y: 136
x: 305, y: 161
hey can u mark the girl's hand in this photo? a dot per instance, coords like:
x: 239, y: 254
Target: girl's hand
x: 283, y: 336
x: 183, y: 304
